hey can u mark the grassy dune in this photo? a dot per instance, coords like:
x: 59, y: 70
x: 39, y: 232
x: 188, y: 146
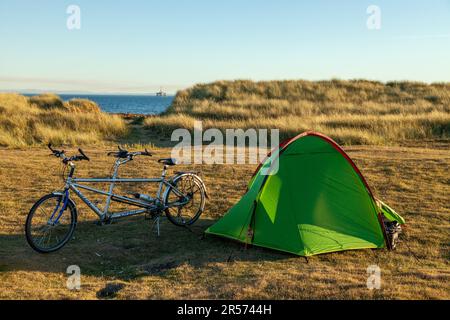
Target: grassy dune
x: 41, y: 119
x: 352, y: 112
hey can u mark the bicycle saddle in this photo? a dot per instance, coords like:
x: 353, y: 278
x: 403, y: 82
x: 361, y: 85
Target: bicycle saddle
x: 168, y: 161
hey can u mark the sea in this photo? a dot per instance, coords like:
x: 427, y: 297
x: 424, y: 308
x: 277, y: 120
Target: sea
x: 134, y: 104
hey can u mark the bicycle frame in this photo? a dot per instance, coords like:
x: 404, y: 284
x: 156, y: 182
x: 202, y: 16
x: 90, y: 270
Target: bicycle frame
x: 76, y: 184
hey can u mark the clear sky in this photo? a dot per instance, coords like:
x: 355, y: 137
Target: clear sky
x: 138, y: 46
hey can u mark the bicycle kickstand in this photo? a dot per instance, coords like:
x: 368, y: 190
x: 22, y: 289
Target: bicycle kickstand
x: 156, y: 222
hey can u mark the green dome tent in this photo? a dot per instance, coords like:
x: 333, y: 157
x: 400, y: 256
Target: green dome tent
x: 314, y: 200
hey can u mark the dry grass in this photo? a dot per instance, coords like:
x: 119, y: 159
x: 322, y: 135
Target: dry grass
x: 351, y: 112
x: 46, y: 118
x: 413, y: 179
x: 179, y: 265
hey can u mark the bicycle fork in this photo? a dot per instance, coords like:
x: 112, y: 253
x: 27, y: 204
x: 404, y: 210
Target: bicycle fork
x: 65, y: 201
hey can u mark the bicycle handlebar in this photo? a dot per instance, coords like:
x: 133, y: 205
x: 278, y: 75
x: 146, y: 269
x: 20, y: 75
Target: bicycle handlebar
x: 124, y: 154
x: 55, y: 152
x: 61, y: 154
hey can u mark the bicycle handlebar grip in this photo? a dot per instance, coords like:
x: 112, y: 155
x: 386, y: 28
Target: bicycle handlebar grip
x: 147, y: 153
x: 82, y: 153
x: 53, y: 150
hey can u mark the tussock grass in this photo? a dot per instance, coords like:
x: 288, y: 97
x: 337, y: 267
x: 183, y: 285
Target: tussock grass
x: 357, y: 111
x: 47, y: 101
x: 46, y: 118
x: 83, y: 105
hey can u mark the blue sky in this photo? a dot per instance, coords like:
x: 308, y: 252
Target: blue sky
x: 138, y: 46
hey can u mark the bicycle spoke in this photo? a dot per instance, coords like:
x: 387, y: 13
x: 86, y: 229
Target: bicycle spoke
x: 42, y: 228
x: 49, y: 236
x: 44, y: 213
x: 43, y: 237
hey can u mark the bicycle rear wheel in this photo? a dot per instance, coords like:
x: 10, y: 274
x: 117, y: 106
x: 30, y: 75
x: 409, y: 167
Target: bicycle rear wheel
x: 185, y: 210
x: 47, y: 227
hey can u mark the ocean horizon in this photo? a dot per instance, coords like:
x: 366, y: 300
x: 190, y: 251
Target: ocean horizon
x: 124, y: 103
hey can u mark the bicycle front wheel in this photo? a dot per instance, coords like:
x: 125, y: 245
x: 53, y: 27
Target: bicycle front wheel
x: 185, y: 201
x: 49, y: 225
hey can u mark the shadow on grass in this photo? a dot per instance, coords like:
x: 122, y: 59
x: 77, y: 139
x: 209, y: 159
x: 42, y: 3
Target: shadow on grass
x: 129, y: 249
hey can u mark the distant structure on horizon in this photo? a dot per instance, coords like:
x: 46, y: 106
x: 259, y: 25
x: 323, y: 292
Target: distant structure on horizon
x: 161, y: 93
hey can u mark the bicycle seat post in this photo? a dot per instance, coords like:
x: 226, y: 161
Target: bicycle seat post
x: 163, y: 175
x: 115, y: 173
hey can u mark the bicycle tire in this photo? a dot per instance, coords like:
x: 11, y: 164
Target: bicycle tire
x: 199, y: 184
x: 28, y: 224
